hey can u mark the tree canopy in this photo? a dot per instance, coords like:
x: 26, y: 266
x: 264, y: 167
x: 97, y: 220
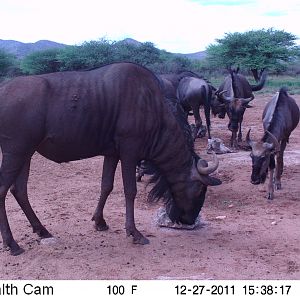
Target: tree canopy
x: 254, y: 50
x: 40, y: 62
x: 7, y: 63
x: 97, y: 53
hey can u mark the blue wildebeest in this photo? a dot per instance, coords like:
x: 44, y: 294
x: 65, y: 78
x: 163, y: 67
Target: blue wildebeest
x: 280, y: 118
x: 116, y: 111
x: 234, y: 94
x: 193, y: 92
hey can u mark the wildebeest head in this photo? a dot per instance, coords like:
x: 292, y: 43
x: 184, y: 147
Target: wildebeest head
x: 192, y: 191
x: 235, y: 109
x: 261, y: 152
x: 234, y: 93
x: 217, y: 105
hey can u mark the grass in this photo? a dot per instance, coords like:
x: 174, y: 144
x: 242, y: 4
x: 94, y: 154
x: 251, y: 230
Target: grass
x: 272, y: 85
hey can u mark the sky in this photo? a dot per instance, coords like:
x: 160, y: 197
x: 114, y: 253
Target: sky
x: 178, y: 26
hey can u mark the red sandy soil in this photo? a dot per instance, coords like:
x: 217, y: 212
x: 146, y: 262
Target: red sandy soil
x: 255, y: 238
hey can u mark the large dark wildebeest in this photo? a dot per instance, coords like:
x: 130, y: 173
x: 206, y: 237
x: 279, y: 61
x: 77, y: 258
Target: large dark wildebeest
x: 117, y: 111
x: 192, y: 92
x: 235, y: 93
x: 280, y: 118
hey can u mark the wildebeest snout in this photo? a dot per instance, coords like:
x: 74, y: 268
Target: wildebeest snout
x: 257, y: 176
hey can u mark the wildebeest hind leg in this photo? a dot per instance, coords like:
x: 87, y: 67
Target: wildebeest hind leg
x: 207, y: 118
x: 19, y: 190
x: 107, y: 183
x: 198, y: 122
x: 279, y: 165
x: 128, y: 165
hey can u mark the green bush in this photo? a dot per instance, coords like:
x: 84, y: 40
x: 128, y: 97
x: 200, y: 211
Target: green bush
x: 8, y: 64
x: 40, y: 62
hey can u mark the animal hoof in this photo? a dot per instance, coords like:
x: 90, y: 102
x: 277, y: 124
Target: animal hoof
x: 16, y: 252
x: 270, y: 197
x: 201, y: 132
x: 278, y: 186
x: 43, y: 233
x: 141, y: 241
x: 101, y: 227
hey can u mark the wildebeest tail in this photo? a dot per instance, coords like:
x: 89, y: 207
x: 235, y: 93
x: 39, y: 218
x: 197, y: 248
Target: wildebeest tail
x: 261, y: 83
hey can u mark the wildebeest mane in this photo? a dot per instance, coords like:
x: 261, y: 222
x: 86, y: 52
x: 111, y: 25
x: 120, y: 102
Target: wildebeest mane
x: 234, y: 83
x: 161, y: 188
x: 275, y: 117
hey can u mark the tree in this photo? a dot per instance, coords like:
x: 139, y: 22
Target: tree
x: 40, y: 62
x: 125, y: 51
x: 88, y: 55
x: 254, y: 50
x: 145, y: 54
x: 7, y: 63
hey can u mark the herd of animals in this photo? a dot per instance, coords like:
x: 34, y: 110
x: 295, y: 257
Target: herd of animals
x: 126, y: 113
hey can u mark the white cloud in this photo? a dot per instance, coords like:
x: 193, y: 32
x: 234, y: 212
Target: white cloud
x: 174, y: 25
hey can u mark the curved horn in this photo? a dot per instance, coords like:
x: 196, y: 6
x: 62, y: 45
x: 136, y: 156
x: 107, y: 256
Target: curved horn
x: 210, y: 168
x: 245, y: 101
x: 274, y: 141
x: 248, y: 139
x: 223, y: 97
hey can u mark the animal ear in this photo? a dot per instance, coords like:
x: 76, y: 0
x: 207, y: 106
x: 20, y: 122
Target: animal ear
x: 268, y: 146
x: 271, y: 147
x: 208, y: 180
x: 275, y: 142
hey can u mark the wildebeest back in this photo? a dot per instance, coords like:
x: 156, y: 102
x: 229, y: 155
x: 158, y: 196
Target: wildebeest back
x: 73, y: 115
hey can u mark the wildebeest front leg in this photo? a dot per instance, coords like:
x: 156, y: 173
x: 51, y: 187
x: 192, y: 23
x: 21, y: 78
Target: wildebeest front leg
x: 19, y: 190
x: 271, y: 179
x: 128, y: 165
x: 10, y: 168
x: 107, y: 184
x: 279, y: 165
x: 233, y: 140
x: 240, y: 132
x: 271, y: 185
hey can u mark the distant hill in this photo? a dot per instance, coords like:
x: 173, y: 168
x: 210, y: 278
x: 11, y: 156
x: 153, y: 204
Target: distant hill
x: 130, y: 41
x: 20, y: 49
x: 197, y: 55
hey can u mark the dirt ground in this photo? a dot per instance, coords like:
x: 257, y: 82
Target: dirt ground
x: 245, y: 236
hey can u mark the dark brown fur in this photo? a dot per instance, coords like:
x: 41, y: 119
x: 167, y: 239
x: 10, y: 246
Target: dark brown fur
x: 284, y: 120
x: 236, y: 89
x: 116, y: 111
